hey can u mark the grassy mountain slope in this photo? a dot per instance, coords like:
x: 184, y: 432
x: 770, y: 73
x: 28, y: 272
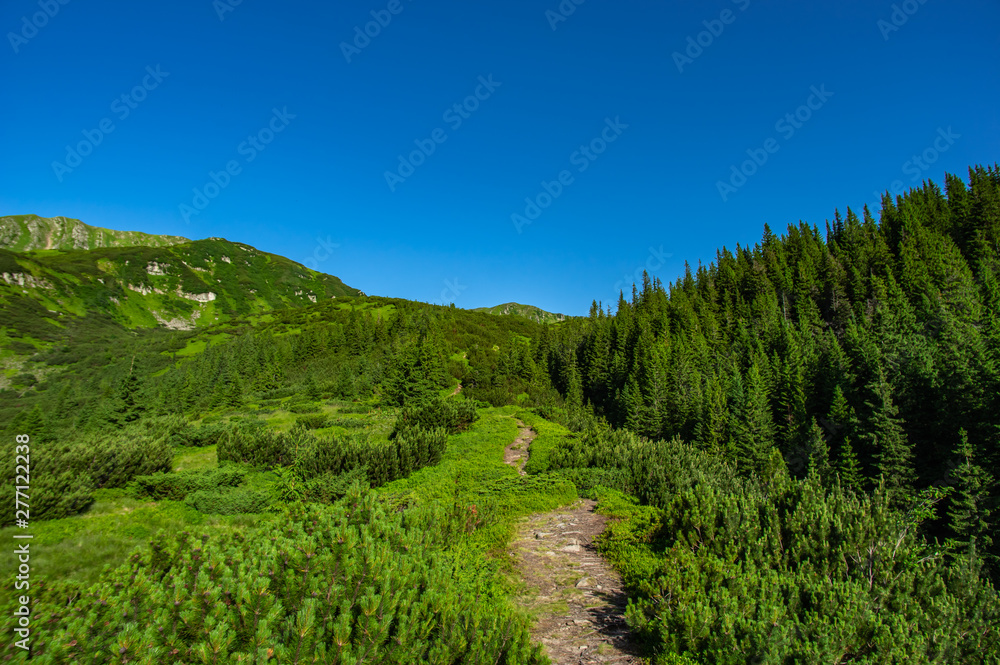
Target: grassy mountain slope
x: 527, y: 311
x: 22, y: 233
x: 44, y: 292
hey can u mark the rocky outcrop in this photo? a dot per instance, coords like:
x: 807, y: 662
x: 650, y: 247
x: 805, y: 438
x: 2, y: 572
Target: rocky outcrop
x: 25, y: 280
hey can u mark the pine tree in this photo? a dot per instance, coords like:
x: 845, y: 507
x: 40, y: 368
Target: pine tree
x: 752, y: 424
x: 233, y: 391
x: 969, y: 511
x: 888, y: 441
x: 32, y: 423
x: 127, y: 405
x: 312, y: 388
x: 848, y: 467
x: 819, y: 453
x: 632, y: 406
x: 791, y: 393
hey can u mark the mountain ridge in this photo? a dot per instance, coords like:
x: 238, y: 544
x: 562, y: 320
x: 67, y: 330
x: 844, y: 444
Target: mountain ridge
x: 180, y: 286
x: 531, y: 312
x: 24, y: 233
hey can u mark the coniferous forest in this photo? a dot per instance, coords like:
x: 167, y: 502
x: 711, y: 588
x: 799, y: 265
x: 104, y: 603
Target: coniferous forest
x: 796, y: 447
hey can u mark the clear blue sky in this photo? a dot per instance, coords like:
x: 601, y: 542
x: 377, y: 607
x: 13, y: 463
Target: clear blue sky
x: 445, y: 231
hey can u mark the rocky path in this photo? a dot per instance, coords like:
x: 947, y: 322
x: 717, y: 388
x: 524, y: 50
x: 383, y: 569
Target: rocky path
x: 516, y: 454
x: 576, y: 597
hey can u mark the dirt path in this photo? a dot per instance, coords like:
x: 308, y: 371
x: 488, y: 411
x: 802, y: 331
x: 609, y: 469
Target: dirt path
x: 516, y: 454
x: 576, y: 597
x: 457, y: 390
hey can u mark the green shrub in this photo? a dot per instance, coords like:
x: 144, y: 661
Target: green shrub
x: 548, y: 435
x: 314, y: 421
x: 238, y: 501
x: 312, y: 457
x: 64, y: 473
x: 331, y: 487
x: 451, y: 414
x: 347, y: 423
x: 815, y: 575
x: 206, y: 435
x: 359, y: 408
x: 113, y: 459
x: 383, y: 461
x: 653, y: 471
x: 259, y: 447
x: 55, y: 492
x: 304, y: 407
x: 178, y: 485
x: 589, y: 480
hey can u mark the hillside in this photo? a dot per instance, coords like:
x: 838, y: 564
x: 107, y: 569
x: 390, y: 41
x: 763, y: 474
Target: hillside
x: 180, y: 286
x: 527, y: 311
x: 22, y: 233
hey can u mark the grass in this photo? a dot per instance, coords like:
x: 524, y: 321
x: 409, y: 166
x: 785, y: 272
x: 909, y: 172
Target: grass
x: 78, y: 548
x: 193, y: 459
x: 473, y: 458
x: 193, y: 348
x: 198, y: 344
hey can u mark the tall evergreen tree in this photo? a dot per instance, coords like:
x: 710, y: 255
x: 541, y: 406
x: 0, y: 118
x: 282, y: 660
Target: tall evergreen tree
x: 887, y: 439
x: 819, y: 453
x: 971, y: 508
x: 848, y: 467
x: 752, y: 425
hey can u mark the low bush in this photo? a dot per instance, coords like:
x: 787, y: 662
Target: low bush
x: 451, y: 414
x: 360, y: 408
x: 348, y: 423
x: 313, y: 457
x: 65, y: 473
x: 304, y: 407
x: 237, y: 501
x: 205, y: 435
x: 258, y: 447
x: 176, y: 486
x: 113, y: 459
x: 314, y: 421
x: 730, y: 570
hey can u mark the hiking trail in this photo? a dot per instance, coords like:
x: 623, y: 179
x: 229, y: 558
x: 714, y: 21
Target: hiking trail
x: 576, y: 597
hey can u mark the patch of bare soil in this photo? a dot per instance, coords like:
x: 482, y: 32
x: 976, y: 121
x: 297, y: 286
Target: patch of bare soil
x: 576, y: 597
x: 516, y: 454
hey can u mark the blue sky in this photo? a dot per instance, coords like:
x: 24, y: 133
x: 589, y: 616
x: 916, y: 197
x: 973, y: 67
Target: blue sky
x: 618, y: 120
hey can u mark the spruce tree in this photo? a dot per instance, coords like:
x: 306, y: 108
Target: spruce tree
x: 819, y: 453
x: 888, y: 441
x: 233, y: 391
x: 31, y: 423
x: 127, y: 405
x: 752, y: 425
x: 970, y: 508
x: 848, y: 467
x: 312, y: 388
